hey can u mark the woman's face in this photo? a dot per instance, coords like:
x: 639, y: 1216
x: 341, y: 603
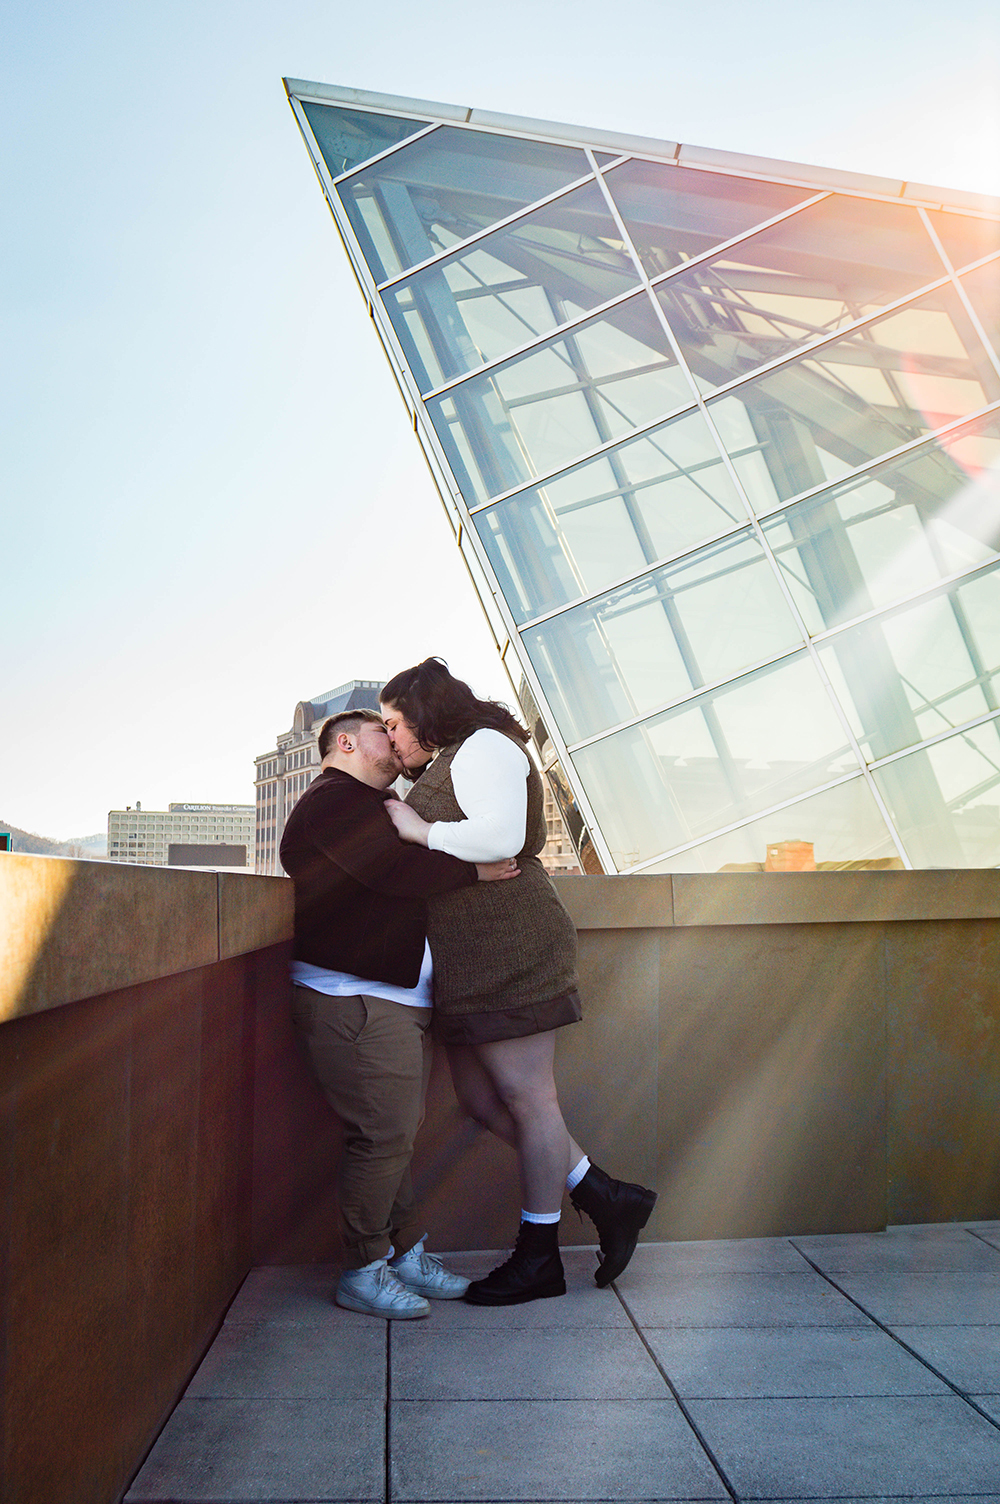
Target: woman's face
x: 403, y: 737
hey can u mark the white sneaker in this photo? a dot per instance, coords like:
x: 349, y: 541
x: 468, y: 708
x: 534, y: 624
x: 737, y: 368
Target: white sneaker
x: 426, y: 1275
x: 376, y: 1291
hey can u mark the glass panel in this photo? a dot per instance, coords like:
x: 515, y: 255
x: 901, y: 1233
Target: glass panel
x: 515, y: 284
x: 349, y: 137
x: 852, y: 400
x: 842, y: 826
x: 683, y: 774
x: 966, y: 239
x: 829, y: 265
x: 921, y: 671
x: 699, y: 620
x: 983, y: 288
x: 895, y: 529
x: 646, y: 500
x: 674, y: 213
x: 573, y: 820
x: 539, y: 412
x: 428, y: 196
x: 945, y: 801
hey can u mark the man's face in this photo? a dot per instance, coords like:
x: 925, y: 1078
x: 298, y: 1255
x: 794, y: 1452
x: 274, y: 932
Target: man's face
x: 404, y: 738
x: 377, y: 758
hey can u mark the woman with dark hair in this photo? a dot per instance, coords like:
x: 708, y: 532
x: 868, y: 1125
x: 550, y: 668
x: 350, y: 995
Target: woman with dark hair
x: 504, y: 968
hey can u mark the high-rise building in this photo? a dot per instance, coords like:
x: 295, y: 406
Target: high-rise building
x: 718, y: 438
x: 287, y: 771
x: 182, y: 835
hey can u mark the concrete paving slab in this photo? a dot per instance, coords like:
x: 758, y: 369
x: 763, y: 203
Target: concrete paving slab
x: 322, y: 1360
x: 289, y: 1292
x: 583, y: 1305
x: 927, y: 1299
x: 251, y: 1450
x: 542, y: 1363
x: 742, y: 1300
x: 967, y: 1355
x: 728, y: 1363
x: 746, y: 1256
x: 990, y: 1403
x: 851, y: 1448
x: 913, y: 1250
x: 531, y: 1450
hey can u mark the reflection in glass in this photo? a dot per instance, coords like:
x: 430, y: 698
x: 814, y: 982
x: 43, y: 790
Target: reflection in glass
x: 893, y: 530
x: 945, y: 801
x: 645, y: 500
x: 831, y: 264
x: 544, y: 270
x: 922, y: 671
x: 856, y: 398
x: 770, y: 736
x: 542, y: 410
x: 966, y: 239
x: 349, y: 137
x: 573, y: 820
x: 445, y: 187
x: 983, y: 288
x: 843, y: 824
x: 674, y: 213
x: 694, y: 622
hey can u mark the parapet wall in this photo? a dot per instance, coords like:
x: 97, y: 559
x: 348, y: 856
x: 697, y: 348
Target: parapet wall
x: 776, y: 1053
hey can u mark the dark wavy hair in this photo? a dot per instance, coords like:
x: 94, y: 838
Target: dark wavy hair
x: 442, y: 709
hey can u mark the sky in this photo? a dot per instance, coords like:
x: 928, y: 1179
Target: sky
x: 213, y: 506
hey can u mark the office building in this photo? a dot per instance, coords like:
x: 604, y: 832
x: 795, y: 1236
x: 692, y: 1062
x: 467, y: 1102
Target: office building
x: 290, y: 767
x: 718, y: 438
x: 183, y: 835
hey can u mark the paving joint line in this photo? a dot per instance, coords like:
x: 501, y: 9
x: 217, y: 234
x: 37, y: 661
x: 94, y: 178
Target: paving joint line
x: 387, y: 1438
x: 723, y: 1479
x: 966, y: 1398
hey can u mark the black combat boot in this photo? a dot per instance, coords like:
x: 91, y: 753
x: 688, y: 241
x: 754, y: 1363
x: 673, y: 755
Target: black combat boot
x: 619, y: 1211
x: 534, y: 1270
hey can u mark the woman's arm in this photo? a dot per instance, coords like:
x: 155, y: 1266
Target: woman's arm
x: 489, y: 774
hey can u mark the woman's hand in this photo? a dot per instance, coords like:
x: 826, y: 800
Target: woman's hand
x: 409, y: 825
x: 496, y: 872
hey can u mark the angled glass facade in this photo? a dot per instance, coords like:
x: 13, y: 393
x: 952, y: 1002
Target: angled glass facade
x: 721, y: 447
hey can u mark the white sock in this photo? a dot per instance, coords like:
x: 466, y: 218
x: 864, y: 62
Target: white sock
x: 547, y: 1219
x: 417, y: 1248
x: 577, y: 1173
x: 366, y: 1268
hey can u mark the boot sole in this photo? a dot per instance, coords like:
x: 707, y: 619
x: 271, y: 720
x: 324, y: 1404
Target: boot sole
x: 349, y: 1303
x: 517, y: 1298
x: 606, y: 1273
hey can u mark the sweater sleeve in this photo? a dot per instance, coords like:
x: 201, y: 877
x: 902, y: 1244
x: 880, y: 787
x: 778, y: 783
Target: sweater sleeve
x: 489, y: 774
x: 357, y: 835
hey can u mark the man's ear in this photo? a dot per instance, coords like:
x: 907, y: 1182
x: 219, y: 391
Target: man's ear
x: 345, y: 741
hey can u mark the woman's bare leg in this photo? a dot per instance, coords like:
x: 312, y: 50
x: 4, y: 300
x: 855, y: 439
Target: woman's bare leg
x: 477, y: 1095
x: 520, y: 1072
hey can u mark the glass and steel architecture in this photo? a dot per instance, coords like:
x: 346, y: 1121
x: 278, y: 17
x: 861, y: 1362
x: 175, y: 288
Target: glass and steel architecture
x: 719, y: 439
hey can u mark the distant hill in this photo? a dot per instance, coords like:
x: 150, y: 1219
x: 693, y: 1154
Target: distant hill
x: 29, y: 843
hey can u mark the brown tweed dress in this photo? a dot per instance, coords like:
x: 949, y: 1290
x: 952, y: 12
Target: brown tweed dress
x: 504, y: 953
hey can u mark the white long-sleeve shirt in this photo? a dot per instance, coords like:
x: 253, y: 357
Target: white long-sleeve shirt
x: 489, y: 774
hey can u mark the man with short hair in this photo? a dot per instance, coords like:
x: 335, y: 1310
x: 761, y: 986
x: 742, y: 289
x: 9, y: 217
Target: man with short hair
x: 362, y: 1003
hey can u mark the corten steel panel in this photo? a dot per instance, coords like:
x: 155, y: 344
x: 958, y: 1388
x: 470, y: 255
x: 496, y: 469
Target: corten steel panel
x: 607, y: 1065
x: 81, y: 929
x: 110, y: 1258
x: 943, y: 1025
x: 225, y: 1135
x: 162, y: 1178
x: 771, y: 1110
x: 466, y: 1179
x: 246, y: 923
x: 297, y: 1136
x: 66, y: 1394
x: 833, y: 897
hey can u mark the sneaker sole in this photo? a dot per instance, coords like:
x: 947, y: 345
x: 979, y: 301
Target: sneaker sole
x: 434, y: 1294
x: 643, y: 1212
x: 546, y: 1292
x: 351, y: 1303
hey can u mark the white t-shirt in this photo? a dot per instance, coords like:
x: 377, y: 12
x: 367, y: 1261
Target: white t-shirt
x: 343, y: 984
x: 489, y: 774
